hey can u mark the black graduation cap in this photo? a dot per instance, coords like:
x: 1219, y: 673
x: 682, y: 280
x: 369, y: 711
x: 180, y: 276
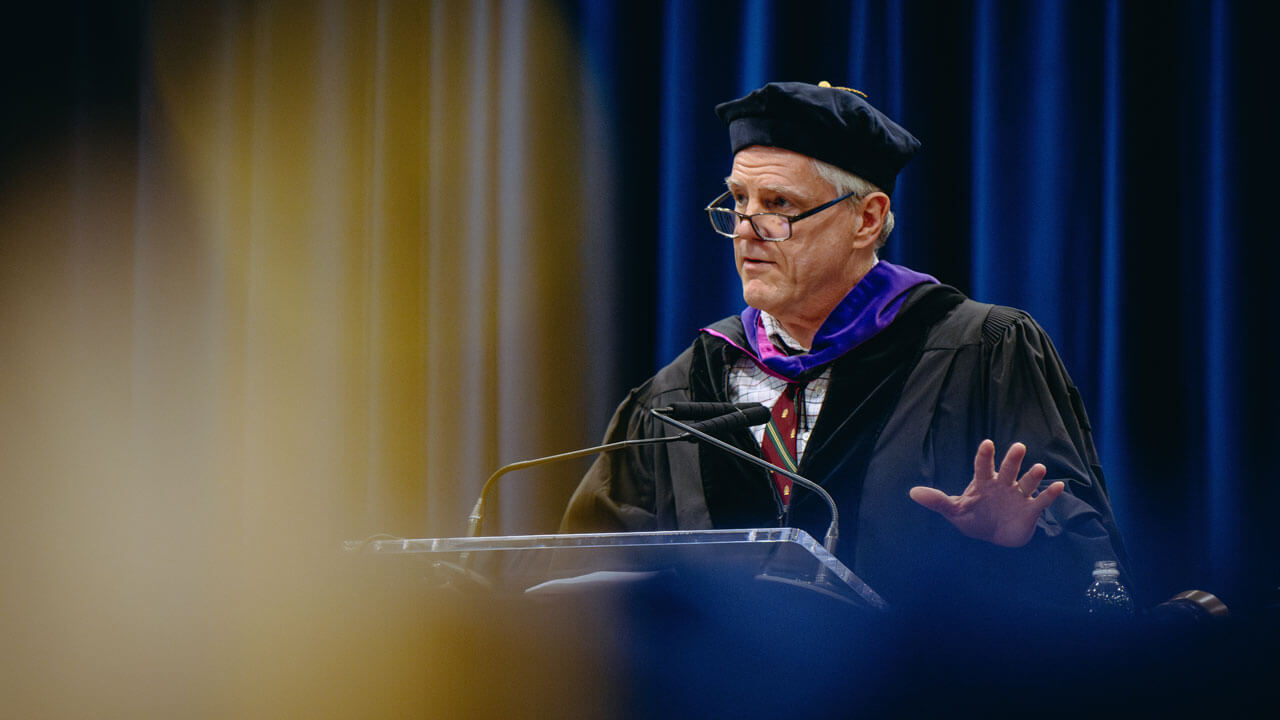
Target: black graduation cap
x: 833, y: 124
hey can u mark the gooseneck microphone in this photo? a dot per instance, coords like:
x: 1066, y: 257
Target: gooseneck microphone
x: 706, y: 410
x: 724, y: 418
x: 833, y: 531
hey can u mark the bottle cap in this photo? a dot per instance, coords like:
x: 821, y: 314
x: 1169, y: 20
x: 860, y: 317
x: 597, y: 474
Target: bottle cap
x: 1106, y: 568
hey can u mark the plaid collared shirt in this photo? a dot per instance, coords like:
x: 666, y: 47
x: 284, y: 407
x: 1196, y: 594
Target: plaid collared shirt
x: 748, y: 383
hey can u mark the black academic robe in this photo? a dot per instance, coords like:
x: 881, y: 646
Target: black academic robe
x: 908, y: 407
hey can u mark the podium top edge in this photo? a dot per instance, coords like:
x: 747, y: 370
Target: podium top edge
x: 380, y: 544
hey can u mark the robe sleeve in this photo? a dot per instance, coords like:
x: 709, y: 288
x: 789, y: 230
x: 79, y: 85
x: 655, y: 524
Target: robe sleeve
x: 617, y: 493
x: 1031, y: 399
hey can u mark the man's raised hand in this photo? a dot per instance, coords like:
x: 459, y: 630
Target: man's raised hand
x: 999, y: 507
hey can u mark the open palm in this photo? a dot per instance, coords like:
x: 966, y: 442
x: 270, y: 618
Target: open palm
x: 999, y: 507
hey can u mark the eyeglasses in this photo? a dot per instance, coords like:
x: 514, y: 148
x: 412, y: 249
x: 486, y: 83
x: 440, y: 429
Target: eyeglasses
x: 771, y: 227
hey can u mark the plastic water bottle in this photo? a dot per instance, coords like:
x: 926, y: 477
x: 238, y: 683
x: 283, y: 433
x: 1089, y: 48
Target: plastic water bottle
x: 1107, y: 599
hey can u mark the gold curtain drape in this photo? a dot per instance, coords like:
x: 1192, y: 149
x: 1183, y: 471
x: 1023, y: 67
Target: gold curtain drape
x: 327, y: 284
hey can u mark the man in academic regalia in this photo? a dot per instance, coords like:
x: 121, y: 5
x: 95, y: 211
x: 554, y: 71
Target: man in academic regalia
x: 894, y: 392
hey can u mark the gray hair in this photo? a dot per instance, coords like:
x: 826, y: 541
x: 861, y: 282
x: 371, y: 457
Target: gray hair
x: 845, y: 181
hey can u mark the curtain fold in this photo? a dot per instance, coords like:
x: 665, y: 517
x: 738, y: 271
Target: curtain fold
x: 1222, y: 365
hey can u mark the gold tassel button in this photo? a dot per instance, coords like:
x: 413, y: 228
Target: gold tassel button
x: 825, y: 84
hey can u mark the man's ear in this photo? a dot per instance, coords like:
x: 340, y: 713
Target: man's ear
x: 872, y: 211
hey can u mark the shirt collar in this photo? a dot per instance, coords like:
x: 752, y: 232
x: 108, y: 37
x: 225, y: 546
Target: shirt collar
x: 780, y: 337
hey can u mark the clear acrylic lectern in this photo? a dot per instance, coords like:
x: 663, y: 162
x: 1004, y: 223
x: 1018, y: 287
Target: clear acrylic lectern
x: 554, y: 564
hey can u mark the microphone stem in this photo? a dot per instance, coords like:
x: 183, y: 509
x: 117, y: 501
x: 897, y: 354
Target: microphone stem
x: 475, y: 519
x: 833, y: 532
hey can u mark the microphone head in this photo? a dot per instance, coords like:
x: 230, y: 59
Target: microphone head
x: 746, y: 416
x: 704, y: 410
x: 756, y: 414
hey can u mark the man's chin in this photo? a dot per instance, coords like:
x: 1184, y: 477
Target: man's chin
x: 757, y: 299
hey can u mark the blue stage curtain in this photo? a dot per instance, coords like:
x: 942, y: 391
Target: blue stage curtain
x: 1099, y: 164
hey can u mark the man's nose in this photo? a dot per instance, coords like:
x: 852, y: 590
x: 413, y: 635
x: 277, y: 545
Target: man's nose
x: 746, y: 229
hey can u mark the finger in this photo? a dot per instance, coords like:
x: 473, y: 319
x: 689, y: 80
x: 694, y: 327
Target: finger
x: 934, y: 499
x: 1048, y: 495
x: 984, y: 462
x: 1012, y: 463
x: 1030, y: 480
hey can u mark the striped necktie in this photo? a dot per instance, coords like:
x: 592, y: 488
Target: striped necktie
x: 779, y: 446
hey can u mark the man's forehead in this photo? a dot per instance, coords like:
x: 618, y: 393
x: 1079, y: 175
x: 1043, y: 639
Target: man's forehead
x: 772, y: 187
x: 769, y: 155
x: 774, y: 169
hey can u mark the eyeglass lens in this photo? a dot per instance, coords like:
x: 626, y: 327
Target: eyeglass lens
x: 768, y: 226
